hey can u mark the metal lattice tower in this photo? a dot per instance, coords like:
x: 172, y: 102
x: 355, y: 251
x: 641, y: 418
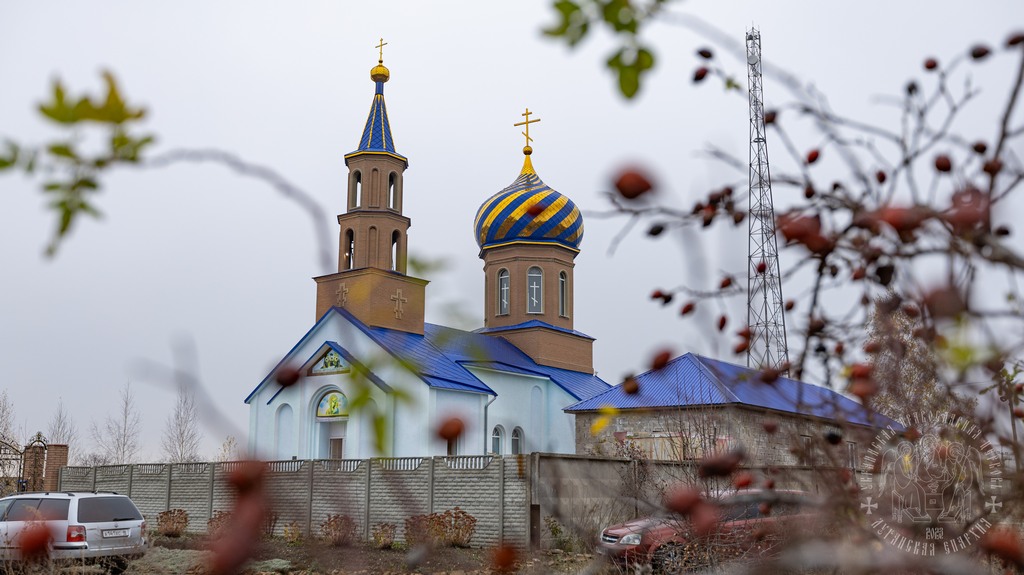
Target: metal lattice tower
x: 765, y: 317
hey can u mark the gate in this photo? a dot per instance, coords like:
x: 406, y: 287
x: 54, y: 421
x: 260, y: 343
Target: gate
x: 10, y: 468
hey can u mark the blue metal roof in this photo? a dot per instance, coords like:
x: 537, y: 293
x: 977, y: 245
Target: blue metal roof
x: 377, y: 132
x: 529, y: 324
x: 441, y: 354
x: 692, y: 380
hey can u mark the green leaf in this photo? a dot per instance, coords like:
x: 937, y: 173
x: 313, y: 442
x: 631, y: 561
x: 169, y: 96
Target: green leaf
x: 84, y: 184
x: 115, y: 109
x: 573, y: 24
x: 58, y: 110
x: 731, y: 84
x: 62, y: 150
x: 630, y: 65
x: 380, y: 429
x: 54, y: 186
x: 621, y: 16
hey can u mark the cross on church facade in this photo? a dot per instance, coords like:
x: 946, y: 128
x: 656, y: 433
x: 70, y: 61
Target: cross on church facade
x: 399, y: 300
x: 342, y: 294
x: 527, y: 123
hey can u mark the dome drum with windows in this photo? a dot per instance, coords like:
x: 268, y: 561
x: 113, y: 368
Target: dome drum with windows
x: 528, y: 211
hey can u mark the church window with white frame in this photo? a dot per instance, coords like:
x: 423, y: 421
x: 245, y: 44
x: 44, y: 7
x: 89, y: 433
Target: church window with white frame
x: 497, y: 438
x: 503, y: 291
x: 534, y: 290
x: 517, y: 441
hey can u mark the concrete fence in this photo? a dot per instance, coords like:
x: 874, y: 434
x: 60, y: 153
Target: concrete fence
x: 513, y: 498
x: 494, y: 490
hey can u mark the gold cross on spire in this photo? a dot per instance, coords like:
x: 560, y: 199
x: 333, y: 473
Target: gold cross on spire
x: 380, y: 47
x: 527, y: 123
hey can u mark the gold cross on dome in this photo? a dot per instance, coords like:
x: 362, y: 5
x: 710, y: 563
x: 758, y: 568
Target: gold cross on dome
x: 380, y: 47
x: 527, y: 123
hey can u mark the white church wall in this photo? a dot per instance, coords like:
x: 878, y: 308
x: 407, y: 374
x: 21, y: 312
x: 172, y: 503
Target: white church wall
x: 466, y: 406
x: 304, y: 442
x: 533, y: 404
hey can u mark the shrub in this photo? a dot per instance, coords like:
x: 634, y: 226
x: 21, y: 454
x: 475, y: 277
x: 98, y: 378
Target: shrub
x: 293, y: 533
x: 216, y: 524
x: 338, y: 530
x: 269, y: 524
x: 560, y: 539
x: 453, y: 527
x: 172, y: 523
x: 383, y: 535
x: 417, y: 530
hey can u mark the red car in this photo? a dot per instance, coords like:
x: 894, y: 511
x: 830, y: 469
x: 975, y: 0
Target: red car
x: 742, y: 524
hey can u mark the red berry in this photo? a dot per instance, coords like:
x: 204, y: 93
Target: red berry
x: 630, y: 386
x: 770, y: 117
x: 761, y: 267
x: 980, y: 147
x: 880, y: 176
x: 688, y: 307
x: 287, y: 375
x: 721, y: 322
x: 705, y: 53
x: 812, y: 156
x: 931, y: 64
x: 980, y: 52
x: 726, y: 282
x: 661, y: 359
x: 790, y: 304
x: 451, y: 429
x: 700, y: 74
x: 1015, y: 39
x: 943, y: 163
x: 631, y: 184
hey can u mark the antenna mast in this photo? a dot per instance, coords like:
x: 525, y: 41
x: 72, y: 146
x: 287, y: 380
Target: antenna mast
x: 765, y: 316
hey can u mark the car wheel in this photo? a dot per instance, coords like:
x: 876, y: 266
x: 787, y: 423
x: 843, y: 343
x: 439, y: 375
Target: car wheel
x: 670, y: 559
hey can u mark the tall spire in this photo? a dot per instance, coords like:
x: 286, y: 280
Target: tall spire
x: 376, y: 137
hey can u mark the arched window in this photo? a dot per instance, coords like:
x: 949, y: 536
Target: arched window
x: 563, y: 294
x: 350, y: 250
x: 394, y: 250
x: 355, y: 199
x: 392, y: 190
x: 497, y: 438
x: 534, y: 290
x: 517, y: 441
x: 503, y: 292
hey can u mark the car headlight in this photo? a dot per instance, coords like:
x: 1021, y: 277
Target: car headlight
x: 631, y: 539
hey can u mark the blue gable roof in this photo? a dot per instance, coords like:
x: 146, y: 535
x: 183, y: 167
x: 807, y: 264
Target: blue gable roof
x: 441, y: 355
x: 692, y: 380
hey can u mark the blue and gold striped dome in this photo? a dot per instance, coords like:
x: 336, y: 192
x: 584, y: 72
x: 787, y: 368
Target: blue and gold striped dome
x: 528, y: 211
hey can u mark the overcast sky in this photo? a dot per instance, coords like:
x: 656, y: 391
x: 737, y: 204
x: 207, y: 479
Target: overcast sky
x: 199, y: 253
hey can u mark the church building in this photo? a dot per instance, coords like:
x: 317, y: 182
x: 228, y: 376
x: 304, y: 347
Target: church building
x: 377, y: 380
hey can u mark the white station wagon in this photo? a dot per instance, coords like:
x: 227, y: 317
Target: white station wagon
x: 84, y: 527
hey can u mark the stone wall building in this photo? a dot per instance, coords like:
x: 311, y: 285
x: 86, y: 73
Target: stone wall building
x: 696, y: 406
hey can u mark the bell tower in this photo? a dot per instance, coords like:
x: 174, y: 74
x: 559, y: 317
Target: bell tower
x: 371, y: 282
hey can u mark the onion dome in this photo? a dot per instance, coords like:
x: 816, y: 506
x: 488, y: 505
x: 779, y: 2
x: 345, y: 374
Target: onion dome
x: 528, y: 211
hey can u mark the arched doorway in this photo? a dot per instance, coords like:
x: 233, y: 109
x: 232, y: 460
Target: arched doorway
x: 331, y: 425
